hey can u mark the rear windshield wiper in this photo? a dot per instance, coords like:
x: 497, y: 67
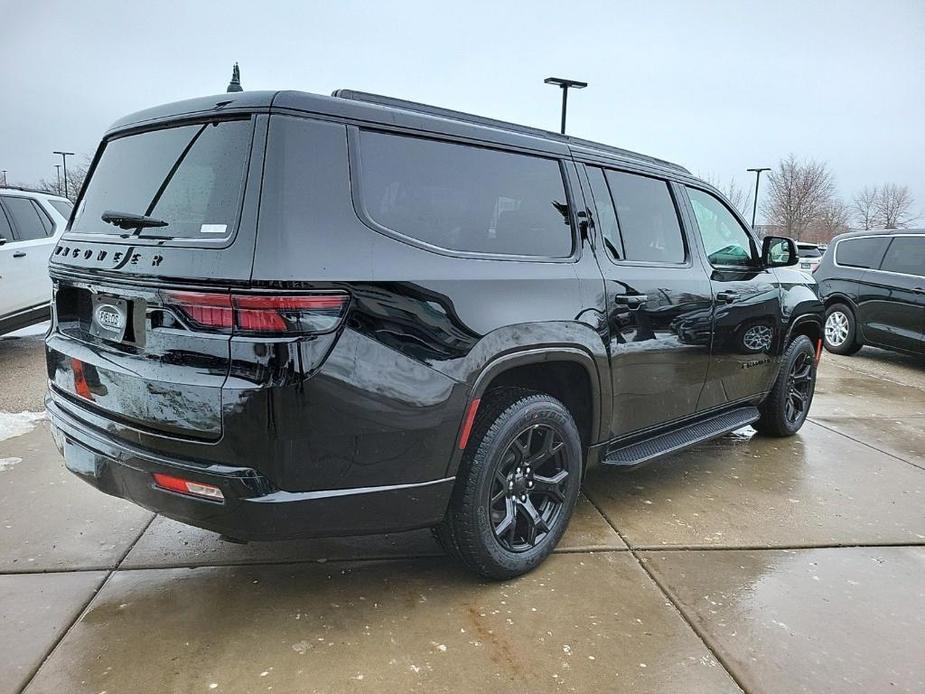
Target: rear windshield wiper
x: 128, y: 220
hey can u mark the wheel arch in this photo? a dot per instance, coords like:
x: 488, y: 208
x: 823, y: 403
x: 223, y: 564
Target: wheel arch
x: 550, y: 370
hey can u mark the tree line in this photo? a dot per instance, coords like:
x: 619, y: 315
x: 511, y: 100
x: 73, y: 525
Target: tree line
x: 799, y: 199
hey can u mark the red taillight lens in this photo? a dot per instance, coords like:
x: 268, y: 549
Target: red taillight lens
x: 261, y: 314
x: 182, y: 486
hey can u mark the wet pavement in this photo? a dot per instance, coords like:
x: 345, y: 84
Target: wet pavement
x: 746, y: 563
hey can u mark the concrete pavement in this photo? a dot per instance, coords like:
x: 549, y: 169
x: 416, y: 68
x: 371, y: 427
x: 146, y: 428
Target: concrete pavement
x: 764, y: 564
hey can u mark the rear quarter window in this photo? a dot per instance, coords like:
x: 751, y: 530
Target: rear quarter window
x: 464, y: 198
x: 862, y: 252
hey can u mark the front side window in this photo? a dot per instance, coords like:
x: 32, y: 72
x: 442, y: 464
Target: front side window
x: 906, y: 255
x: 724, y: 239
x: 189, y: 177
x: 648, y: 220
x: 862, y: 253
x: 464, y: 198
x: 26, y: 218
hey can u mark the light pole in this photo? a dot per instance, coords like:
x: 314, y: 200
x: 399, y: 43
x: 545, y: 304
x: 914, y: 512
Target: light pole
x: 3, y: 171
x: 565, y: 85
x: 64, y: 156
x: 757, y: 181
x: 58, y: 172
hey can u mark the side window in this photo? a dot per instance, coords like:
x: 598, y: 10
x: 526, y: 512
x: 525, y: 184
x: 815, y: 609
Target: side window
x: 6, y: 231
x: 465, y: 198
x: 863, y: 252
x: 25, y: 218
x: 906, y: 255
x: 648, y: 219
x: 43, y: 218
x: 606, y: 219
x: 724, y: 239
x: 63, y: 207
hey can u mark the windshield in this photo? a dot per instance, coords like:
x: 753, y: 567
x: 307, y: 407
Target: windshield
x: 189, y: 176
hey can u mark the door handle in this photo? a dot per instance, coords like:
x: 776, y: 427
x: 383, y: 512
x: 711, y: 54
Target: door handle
x: 631, y: 299
x: 727, y: 297
x: 19, y: 254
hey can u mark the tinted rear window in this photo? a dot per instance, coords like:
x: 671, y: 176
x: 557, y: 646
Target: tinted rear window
x: 63, y: 207
x: 906, y: 255
x: 465, y: 198
x: 28, y: 220
x: 808, y: 252
x: 861, y: 252
x: 648, y: 219
x: 189, y: 176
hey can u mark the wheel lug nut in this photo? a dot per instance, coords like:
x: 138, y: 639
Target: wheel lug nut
x: 523, y: 497
x: 530, y: 484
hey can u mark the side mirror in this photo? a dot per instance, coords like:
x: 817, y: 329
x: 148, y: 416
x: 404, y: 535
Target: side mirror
x: 778, y: 251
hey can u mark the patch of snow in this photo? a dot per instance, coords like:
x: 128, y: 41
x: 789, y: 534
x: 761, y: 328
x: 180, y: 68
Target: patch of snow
x: 16, y: 424
x: 7, y: 463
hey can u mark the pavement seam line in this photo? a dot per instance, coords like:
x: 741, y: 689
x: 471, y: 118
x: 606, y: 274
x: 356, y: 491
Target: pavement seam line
x: 683, y: 615
x: 86, y: 606
x: 863, y: 443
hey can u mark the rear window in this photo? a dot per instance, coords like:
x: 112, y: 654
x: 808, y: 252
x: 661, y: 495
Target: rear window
x: 28, y: 220
x: 464, y: 198
x: 63, y: 207
x: 811, y: 252
x: 190, y: 177
x: 863, y: 252
x: 906, y: 255
x: 648, y: 219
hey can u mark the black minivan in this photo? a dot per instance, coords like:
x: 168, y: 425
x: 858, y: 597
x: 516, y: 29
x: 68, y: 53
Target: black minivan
x: 873, y: 286
x: 282, y: 315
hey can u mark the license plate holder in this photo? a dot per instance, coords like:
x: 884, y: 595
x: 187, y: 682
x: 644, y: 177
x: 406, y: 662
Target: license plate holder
x: 110, y: 317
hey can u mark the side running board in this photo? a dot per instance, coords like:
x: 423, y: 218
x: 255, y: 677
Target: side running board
x: 676, y: 439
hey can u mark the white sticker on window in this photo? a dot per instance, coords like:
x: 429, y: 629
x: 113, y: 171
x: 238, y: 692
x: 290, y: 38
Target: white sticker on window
x: 213, y: 228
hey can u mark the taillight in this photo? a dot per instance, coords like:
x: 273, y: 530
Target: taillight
x: 261, y: 314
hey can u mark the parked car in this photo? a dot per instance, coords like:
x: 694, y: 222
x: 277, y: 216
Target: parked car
x: 30, y: 222
x: 873, y: 286
x: 810, y: 255
x: 286, y: 315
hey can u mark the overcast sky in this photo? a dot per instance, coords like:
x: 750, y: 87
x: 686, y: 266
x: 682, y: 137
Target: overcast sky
x: 715, y: 86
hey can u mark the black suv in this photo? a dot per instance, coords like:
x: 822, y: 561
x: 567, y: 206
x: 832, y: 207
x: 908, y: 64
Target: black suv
x: 873, y: 286
x: 284, y: 315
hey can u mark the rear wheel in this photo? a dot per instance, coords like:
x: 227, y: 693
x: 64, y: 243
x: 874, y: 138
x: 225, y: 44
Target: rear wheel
x: 517, y: 484
x: 840, y: 335
x: 786, y: 408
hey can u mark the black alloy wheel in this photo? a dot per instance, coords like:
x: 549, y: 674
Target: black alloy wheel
x: 517, y: 484
x: 787, y: 405
x: 527, y: 493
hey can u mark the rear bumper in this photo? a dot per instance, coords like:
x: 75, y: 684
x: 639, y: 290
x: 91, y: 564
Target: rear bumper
x: 252, y: 509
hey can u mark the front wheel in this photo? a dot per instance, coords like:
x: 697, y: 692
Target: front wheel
x: 786, y: 408
x: 517, y: 484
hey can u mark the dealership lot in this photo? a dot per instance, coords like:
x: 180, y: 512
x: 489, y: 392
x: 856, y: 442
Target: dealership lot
x: 746, y: 563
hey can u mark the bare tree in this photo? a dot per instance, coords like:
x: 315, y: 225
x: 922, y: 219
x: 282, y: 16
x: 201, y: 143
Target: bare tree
x: 892, y: 206
x: 864, y: 206
x: 738, y: 196
x: 833, y: 219
x: 76, y: 174
x: 798, y: 194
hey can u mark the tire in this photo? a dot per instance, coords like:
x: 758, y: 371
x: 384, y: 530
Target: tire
x: 517, y: 485
x: 840, y: 334
x: 786, y: 408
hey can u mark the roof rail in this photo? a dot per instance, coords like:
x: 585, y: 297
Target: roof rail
x: 381, y: 100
